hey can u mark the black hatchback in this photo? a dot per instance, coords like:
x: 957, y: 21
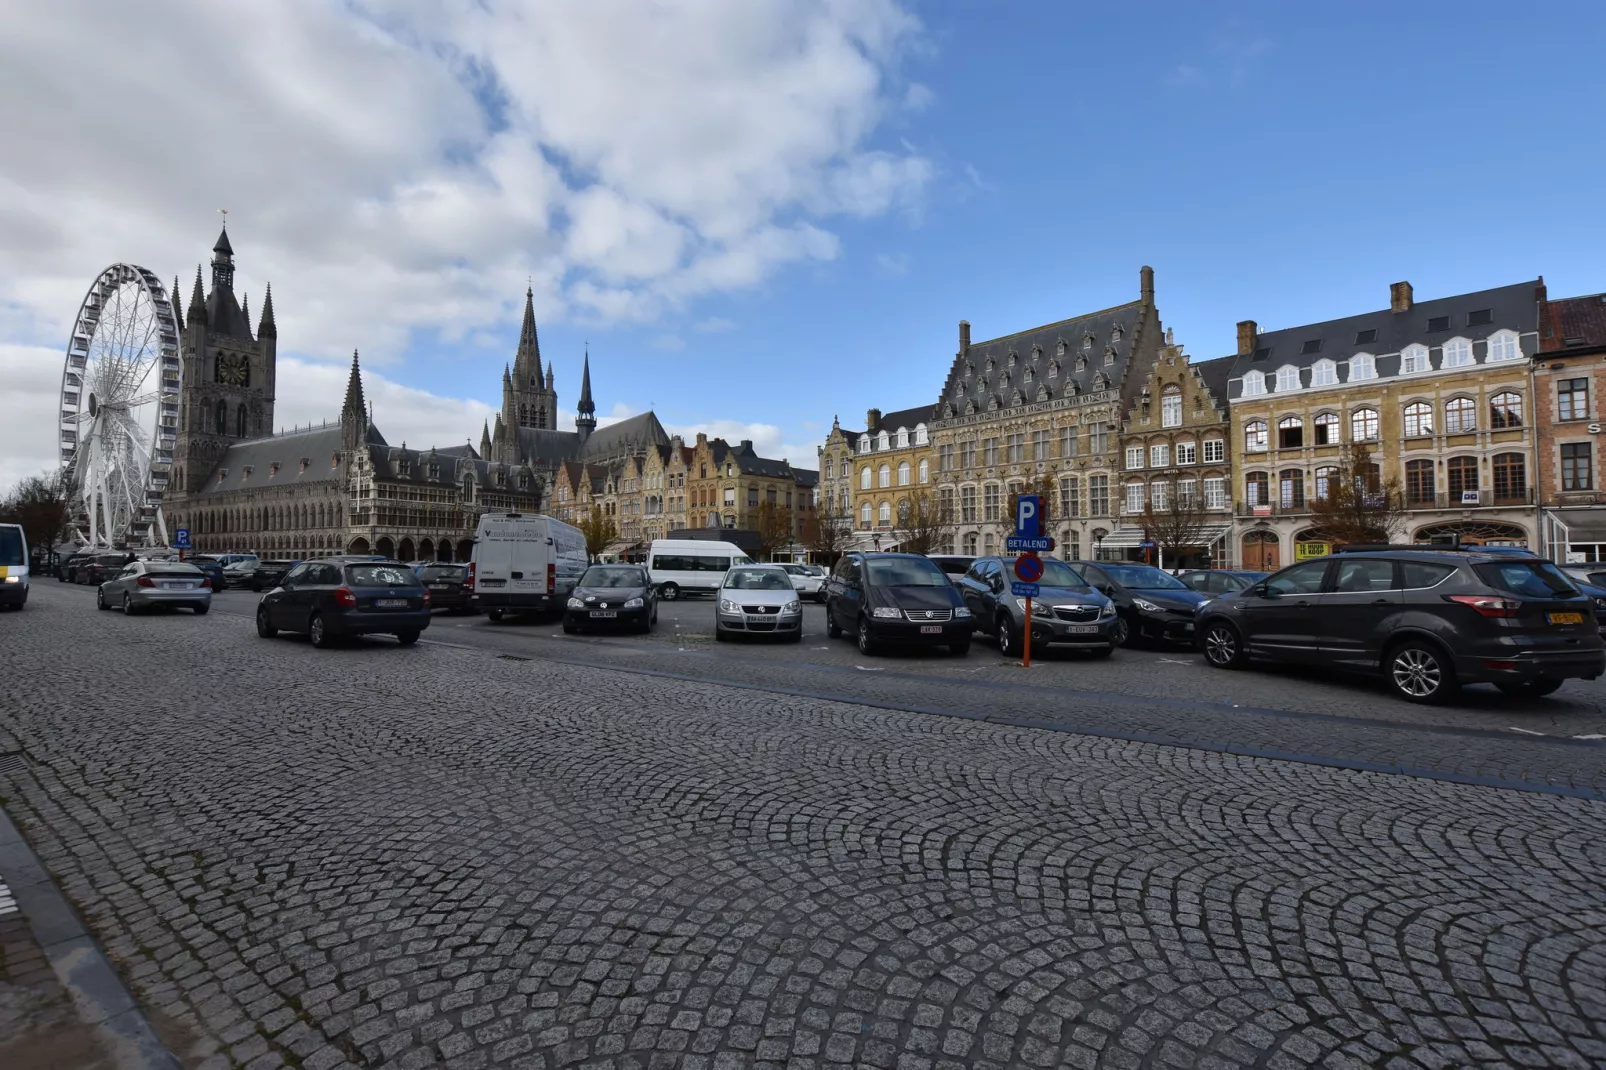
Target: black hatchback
x: 612, y: 596
x: 1428, y: 620
x: 1150, y: 602
x: 339, y: 596
x: 447, y: 586
x: 895, y: 598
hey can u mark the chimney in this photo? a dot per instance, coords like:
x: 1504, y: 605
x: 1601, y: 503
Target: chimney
x: 702, y: 438
x: 1400, y: 297
x: 746, y: 445
x: 964, y: 337
x: 872, y: 419
x: 1146, y: 283
x: 1248, y: 335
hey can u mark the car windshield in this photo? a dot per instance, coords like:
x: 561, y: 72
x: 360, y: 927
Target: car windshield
x: 613, y: 576
x: 10, y: 546
x: 757, y: 579
x: 380, y: 576
x: 906, y: 572
x: 1144, y: 578
x: 240, y: 566
x: 1059, y: 574
x: 1533, y: 579
x: 441, y: 572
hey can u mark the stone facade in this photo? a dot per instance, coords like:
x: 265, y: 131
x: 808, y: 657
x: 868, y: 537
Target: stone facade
x: 1569, y: 375
x: 879, y: 469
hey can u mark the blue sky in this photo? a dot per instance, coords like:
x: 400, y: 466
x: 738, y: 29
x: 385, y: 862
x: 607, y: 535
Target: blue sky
x: 761, y: 214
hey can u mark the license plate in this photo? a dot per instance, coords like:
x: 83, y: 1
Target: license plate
x: 391, y: 603
x: 931, y: 629
x: 1083, y: 629
x: 604, y: 613
x: 1187, y: 627
x: 440, y: 586
x: 1566, y: 618
x: 175, y: 586
x: 491, y: 583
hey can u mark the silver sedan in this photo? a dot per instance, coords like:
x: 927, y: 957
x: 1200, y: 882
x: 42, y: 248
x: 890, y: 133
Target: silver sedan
x: 758, y: 600
x: 143, y: 585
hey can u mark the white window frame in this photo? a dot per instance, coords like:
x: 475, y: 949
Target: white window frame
x: 865, y: 477
x: 1134, y: 457
x: 1215, y: 490
x: 884, y: 515
x: 925, y: 470
x: 884, y: 476
x: 864, y: 444
x: 1498, y: 343
x: 921, y: 435
x: 1457, y: 353
x: 904, y: 473
x: 1171, y: 407
x: 903, y: 438
x: 1265, y: 436
x: 1362, y: 366
x: 1160, y: 455
x: 1254, y: 385
x: 1324, y: 373
x: 1187, y: 453
x: 1287, y: 378
x: 1418, y: 357
x: 1215, y: 450
x: 1134, y: 498
x: 864, y: 514
x: 1160, y: 494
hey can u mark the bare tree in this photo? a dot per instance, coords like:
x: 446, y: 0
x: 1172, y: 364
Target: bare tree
x: 1358, y: 505
x: 1181, y: 521
x: 773, y: 523
x: 39, y: 504
x: 925, y: 522
x: 824, y: 533
x: 599, y: 530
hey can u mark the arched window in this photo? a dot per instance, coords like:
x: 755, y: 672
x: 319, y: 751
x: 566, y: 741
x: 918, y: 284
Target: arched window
x: 1503, y: 346
x: 1362, y: 366
x: 1462, y: 475
x: 1291, y: 488
x: 903, y: 438
x: 920, y: 435
x: 1505, y: 411
x: 903, y: 473
x: 220, y: 418
x: 1171, y: 407
x: 1256, y: 485
x: 925, y: 470
x: 1324, y: 480
x: 1457, y: 353
x: 1363, y: 425
x: 1326, y: 427
x: 1287, y: 378
x: 1255, y: 436
x: 1460, y: 416
x: 864, y: 478
x: 1419, y: 486
x: 884, y: 515
x: 1254, y: 384
x: 1323, y: 373
x: 884, y: 476
x: 1290, y: 433
x: 1418, y: 419
x: 864, y: 514
x: 240, y: 421
x: 1510, y: 477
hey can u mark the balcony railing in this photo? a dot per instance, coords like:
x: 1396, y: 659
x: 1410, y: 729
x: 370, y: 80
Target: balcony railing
x: 1486, y: 500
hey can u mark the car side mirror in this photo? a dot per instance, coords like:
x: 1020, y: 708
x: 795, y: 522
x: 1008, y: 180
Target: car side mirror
x: 1108, y: 590
x: 1260, y: 590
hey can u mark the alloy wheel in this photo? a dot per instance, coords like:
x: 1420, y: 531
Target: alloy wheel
x: 1416, y: 672
x: 1221, y: 645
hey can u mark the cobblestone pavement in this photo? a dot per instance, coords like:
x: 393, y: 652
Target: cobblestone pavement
x: 381, y: 856
x: 39, y: 1027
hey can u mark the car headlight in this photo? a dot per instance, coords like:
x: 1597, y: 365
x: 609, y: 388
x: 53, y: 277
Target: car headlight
x: 1107, y: 611
x: 727, y: 606
x: 634, y: 603
x: 790, y: 607
x: 962, y: 613
x: 13, y: 579
x: 1038, y: 608
x: 886, y: 612
x: 575, y: 603
x: 1600, y: 603
x: 1146, y: 606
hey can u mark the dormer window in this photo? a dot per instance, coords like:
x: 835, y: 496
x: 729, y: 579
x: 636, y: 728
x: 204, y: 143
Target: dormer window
x: 1254, y: 384
x: 1287, y: 378
x: 991, y: 364
x: 1362, y: 366
x: 245, y: 473
x: 903, y: 438
x: 524, y: 481
x: 222, y: 474
x: 1115, y: 333
x: 1028, y: 376
x: 334, y: 460
x: 883, y: 442
x: 1413, y: 359
x: 1109, y: 354
x: 273, y: 469
x: 921, y: 435
x: 1503, y: 346
x: 1059, y: 350
x: 1457, y: 353
x: 1323, y: 373
x: 1012, y: 358
x: 306, y: 462
x: 434, y: 470
x: 1087, y: 344
x: 501, y: 477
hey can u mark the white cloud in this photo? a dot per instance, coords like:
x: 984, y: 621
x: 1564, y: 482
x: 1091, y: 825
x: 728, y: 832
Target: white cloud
x: 714, y: 325
x: 28, y: 399
x: 403, y: 166
x: 768, y: 439
x: 310, y: 392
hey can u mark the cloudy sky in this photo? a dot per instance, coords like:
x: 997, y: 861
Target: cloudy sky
x: 762, y: 213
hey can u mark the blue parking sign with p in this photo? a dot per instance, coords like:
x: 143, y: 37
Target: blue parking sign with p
x: 181, y: 539
x: 1029, y: 516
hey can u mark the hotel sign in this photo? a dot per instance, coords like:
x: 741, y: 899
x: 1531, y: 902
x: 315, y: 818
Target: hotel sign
x: 1077, y: 402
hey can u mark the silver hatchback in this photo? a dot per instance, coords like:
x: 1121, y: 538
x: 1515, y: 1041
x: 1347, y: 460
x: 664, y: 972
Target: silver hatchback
x: 758, y: 600
x: 143, y: 585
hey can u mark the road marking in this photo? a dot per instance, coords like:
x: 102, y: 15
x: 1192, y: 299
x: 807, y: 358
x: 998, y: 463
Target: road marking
x: 1172, y: 661
x: 868, y: 668
x: 1524, y: 731
x: 1593, y: 736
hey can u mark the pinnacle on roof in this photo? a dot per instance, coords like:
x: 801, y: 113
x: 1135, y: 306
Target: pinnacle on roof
x: 587, y: 406
x: 223, y: 248
x: 355, y: 405
x: 178, y: 313
x: 267, y: 328
x: 245, y: 309
x: 529, y: 353
x: 197, y: 300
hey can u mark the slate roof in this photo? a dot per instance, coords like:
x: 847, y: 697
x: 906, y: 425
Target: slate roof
x: 1575, y: 325
x: 905, y: 418
x: 223, y: 315
x: 1514, y: 307
x: 637, y: 434
x: 1215, y: 373
x: 316, y: 445
x: 1074, y: 356
x: 806, y: 477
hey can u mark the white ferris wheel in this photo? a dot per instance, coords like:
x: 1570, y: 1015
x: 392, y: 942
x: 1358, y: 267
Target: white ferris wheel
x: 119, y: 409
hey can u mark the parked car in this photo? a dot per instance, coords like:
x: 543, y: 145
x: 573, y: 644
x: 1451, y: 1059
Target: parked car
x: 239, y: 573
x: 882, y: 598
x: 98, y: 568
x: 447, y: 586
x: 612, y: 596
x: 1591, y: 572
x: 809, y: 581
x: 338, y: 596
x: 758, y: 599
x: 1152, y: 604
x: 211, y: 568
x: 13, y: 567
x: 955, y: 565
x: 67, y: 570
x: 143, y: 585
x: 1214, y: 581
x: 1428, y: 620
x: 269, y: 574
x: 1067, y: 612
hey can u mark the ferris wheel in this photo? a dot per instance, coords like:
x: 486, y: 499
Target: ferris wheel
x: 119, y: 409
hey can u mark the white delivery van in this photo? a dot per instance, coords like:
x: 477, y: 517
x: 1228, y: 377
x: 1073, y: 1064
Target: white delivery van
x: 524, y: 563
x: 685, y: 566
x: 13, y: 566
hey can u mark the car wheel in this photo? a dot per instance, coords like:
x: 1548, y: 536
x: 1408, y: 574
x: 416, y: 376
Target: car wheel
x: 493, y: 615
x: 867, y: 643
x: 100, y: 599
x: 318, y: 632
x: 1531, y: 688
x: 569, y: 627
x: 1123, y: 632
x: 264, y: 629
x: 1223, y: 646
x: 1008, y: 638
x: 720, y: 634
x: 833, y: 630
x: 200, y: 610
x: 669, y: 592
x: 959, y: 649
x: 1419, y: 672
x: 128, y: 607
x: 407, y: 638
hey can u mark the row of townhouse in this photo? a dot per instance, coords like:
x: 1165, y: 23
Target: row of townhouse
x: 675, y: 486
x: 1484, y: 408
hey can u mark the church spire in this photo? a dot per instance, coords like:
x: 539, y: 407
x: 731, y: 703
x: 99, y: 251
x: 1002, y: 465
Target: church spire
x: 268, y: 329
x: 356, y: 407
x: 485, y: 440
x: 197, y: 300
x: 178, y: 312
x: 245, y: 309
x: 586, y: 422
x: 527, y: 364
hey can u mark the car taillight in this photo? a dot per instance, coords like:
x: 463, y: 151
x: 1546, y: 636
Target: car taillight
x: 551, y: 577
x: 145, y: 581
x: 471, y: 575
x: 1488, y: 605
x: 426, y: 599
x: 206, y: 583
x: 344, y: 597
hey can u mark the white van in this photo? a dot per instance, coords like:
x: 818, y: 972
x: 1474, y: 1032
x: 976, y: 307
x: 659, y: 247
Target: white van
x: 524, y: 562
x: 679, y: 566
x: 13, y: 566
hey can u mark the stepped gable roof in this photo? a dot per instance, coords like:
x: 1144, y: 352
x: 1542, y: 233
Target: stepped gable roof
x: 1215, y: 373
x: 977, y: 383
x: 250, y: 464
x: 1575, y: 324
x: 1514, y: 307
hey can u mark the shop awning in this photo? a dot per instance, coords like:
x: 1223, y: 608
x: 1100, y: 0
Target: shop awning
x: 1582, y: 525
x: 616, y: 548
x: 1130, y: 538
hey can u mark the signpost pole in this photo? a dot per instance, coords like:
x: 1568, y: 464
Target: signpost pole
x: 1026, y: 643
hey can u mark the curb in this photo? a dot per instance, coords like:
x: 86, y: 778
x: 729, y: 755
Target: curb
x: 103, y: 1002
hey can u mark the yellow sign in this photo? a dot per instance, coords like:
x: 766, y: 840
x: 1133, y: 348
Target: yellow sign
x: 1304, y: 551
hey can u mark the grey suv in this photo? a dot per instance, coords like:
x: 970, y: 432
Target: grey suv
x: 1067, y: 612
x: 1428, y: 620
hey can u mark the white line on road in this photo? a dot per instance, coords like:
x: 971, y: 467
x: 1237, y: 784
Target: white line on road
x: 1524, y: 731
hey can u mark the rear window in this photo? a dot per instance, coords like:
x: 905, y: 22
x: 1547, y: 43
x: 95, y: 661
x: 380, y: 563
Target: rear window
x: 1418, y: 574
x: 11, y: 549
x: 173, y: 570
x: 380, y: 576
x: 441, y: 572
x: 1532, y: 579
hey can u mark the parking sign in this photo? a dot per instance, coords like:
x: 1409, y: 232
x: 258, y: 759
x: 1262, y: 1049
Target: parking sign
x: 1029, y: 516
x: 181, y: 538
